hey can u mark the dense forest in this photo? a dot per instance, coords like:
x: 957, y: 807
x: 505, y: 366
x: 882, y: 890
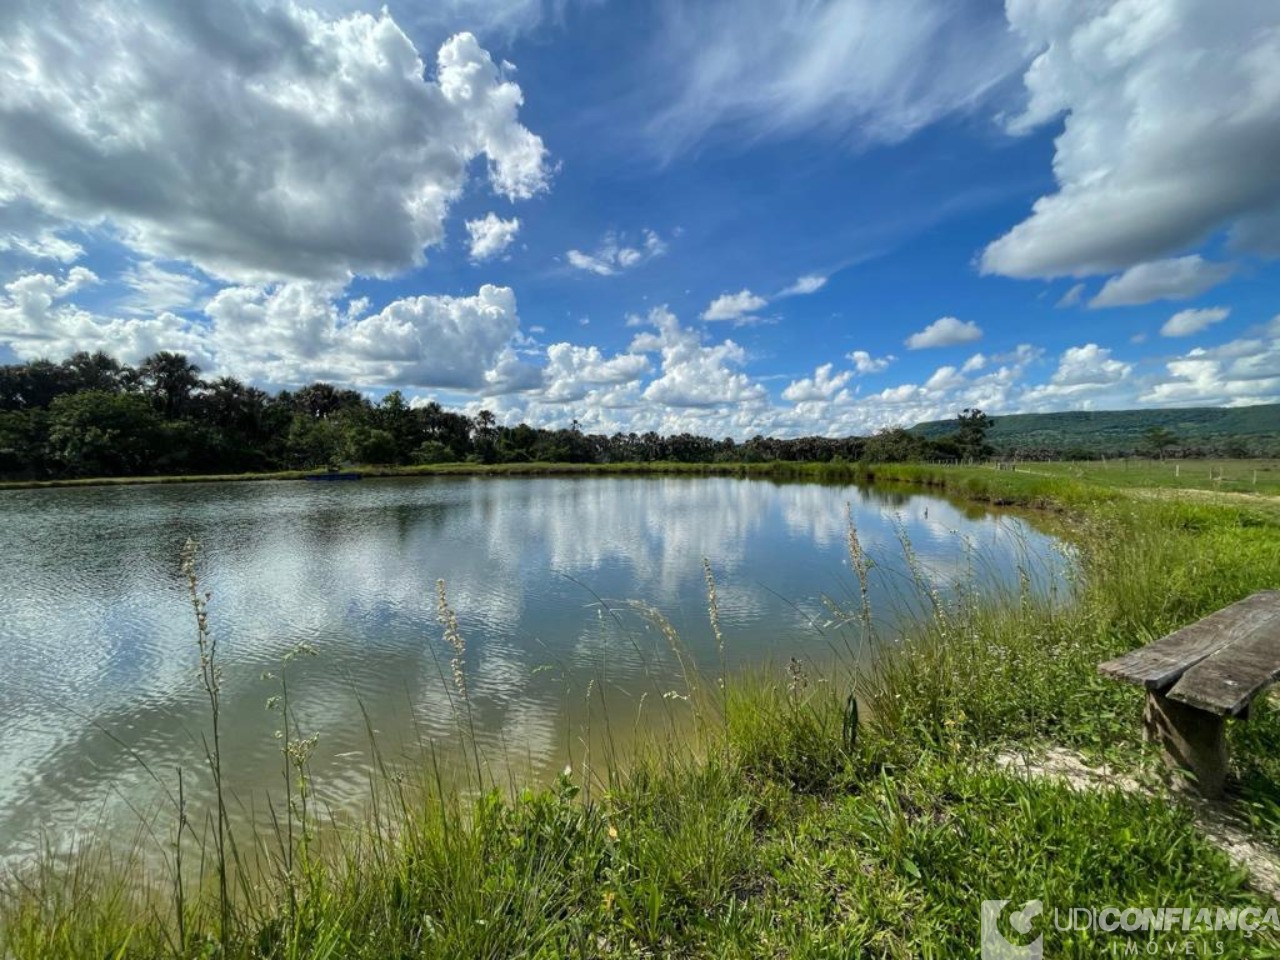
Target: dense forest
x: 92, y: 416
x: 1089, y: 434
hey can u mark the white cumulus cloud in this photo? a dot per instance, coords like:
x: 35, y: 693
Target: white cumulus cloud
x: 490, y: 235
x: 1170, y: 131
x: 1236, y: 373
x: 37, y: 319
x: 863, y: 362
x: 574, y: 371
x: 945, y: 378
x: 295, y: 332
x: 733, y: 306
x: 258, y: 141
x: 944, y: 332
x: 695, y: 374
x: 823, y: 385
x: 1083, y: 373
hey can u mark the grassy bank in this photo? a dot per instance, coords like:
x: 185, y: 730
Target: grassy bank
x: 653, y: 468
x: 1242, y: 476
x: 777, y: 826
x: 1260, y: 476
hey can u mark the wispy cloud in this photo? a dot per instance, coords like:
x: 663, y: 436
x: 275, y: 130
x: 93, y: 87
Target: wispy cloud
x: 866, y: 70
x: 1186, y: 322
x: 1072, y: 296
x: 1178, y: 279
x: 614, y: 255
x: 809, y: 283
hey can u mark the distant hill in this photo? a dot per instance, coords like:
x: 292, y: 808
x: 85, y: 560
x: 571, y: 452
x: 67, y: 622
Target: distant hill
x: 1230, y: 431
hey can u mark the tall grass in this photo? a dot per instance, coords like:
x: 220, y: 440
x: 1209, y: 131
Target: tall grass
x: 788, y: 818
x: 211, y: 682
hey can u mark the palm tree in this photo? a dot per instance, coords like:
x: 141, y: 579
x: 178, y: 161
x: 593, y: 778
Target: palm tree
x: 320, y: 400
x: 231, y: 405
x: 171, y: 379
x: 95, y: 371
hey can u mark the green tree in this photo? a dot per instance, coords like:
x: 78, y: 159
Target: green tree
x: 320, y: 401
x: 433, y: 451
x: 484, y: 437
x: 32, y: 385
x: 101, y: 434
x: 446, y: 427
x: 230, y: 405
x: 894, y: 445
x: 371, y: 446
x: 96, y: 371
x: 313, y: 443
x: 171, y: 379
x: 971, y: 437
x: 1158, y: 440
x: 519, y: 443
x: 190, y: 446
x: 394, y: 416
x: 23, y: 435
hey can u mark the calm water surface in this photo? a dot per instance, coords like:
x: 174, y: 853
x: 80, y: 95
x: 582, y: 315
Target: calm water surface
x: 100, y: 670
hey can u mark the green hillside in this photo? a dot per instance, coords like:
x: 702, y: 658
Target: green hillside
x: 1235, y: 431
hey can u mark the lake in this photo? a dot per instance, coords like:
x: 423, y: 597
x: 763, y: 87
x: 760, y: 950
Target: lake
x: 100, y: 681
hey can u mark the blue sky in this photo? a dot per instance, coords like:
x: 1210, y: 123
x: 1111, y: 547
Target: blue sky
x: 724, y: 217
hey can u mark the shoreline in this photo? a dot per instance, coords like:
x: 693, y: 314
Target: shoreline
x: 916, y: 474
x: 450, y: 469
x: 1024, y: 485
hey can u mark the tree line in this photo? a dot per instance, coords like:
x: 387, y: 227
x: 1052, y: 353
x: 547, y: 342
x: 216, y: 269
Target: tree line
x: 93, y: 416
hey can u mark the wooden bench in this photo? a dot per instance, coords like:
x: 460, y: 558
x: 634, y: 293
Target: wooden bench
x: 1198, y: 676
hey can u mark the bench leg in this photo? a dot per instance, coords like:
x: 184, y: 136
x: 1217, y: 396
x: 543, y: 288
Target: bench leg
x: 1192, y: 739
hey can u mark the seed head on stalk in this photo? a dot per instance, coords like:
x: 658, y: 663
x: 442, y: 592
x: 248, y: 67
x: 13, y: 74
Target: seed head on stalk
x: 452, y: 637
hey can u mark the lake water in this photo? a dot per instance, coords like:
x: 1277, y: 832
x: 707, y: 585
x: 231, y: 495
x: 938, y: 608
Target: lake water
x: 100, y: 670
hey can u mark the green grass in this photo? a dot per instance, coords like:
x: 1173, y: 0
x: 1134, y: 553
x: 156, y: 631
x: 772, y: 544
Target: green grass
x: 773, y: 826
x: 1218, y: 476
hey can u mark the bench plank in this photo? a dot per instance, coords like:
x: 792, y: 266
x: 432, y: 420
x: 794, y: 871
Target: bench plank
x: 1163, y: 662
x: 1224, y: 682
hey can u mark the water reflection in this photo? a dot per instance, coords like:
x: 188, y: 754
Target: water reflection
x: 100, y: 661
